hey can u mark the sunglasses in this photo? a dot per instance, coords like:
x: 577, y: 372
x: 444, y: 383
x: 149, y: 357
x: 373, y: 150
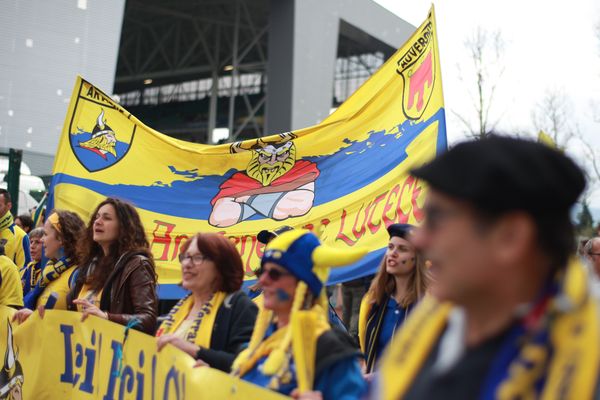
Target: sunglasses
x: 273, y: 274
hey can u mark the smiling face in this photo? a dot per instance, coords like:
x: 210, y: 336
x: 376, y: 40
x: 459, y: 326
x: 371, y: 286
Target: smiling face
x: 106, y: 226
x: 52, y: 243
x: 278, y: 288
x: 198, y: 273
x: 400, y: 257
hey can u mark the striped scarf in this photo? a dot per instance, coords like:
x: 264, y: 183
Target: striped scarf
x: 558, y: 358
x: 6, y: 221
x: 51, y: 272
x: 200, y: 332
x: 30, y: 274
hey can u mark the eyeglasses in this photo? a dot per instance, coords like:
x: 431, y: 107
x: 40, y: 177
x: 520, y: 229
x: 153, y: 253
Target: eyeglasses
x: 594, y: 254
x: 273, y: 274
x: 196, y: 259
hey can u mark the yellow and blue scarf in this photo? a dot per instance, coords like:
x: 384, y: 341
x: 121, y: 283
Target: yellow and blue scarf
x: 200, y: 332
x: 6, y: 221
x: 558, y: 357
x: 51, y: 271
x: 30, y: 274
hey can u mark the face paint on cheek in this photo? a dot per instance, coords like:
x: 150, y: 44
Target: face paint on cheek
x: 282, y: 296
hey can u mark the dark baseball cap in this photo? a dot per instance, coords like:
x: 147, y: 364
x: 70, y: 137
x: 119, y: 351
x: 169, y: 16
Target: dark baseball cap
x: 265, y: 236
x: 400, y: 230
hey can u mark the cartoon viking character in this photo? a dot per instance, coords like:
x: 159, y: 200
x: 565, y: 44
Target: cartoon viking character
x: 11, y: 375
x: 103, y: 139
x: 274, y: 185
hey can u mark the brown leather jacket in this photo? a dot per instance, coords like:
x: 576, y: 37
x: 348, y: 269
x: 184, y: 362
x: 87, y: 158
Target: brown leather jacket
x: 129, y: 292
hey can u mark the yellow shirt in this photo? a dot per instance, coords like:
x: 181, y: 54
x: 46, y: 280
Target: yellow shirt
x: 87, y: 293
x: 17, y: 246
x: 61, y: 287
x: 11, y: 290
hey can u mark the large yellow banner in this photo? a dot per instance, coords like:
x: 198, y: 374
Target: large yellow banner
x: 59, y: 357
x: 345, y: 178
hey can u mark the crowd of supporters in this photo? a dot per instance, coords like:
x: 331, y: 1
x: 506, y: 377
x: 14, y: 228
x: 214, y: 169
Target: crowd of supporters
x: 485, y: 298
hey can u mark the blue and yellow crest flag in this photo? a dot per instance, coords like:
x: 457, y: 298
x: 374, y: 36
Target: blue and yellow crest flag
x: 346, y: 178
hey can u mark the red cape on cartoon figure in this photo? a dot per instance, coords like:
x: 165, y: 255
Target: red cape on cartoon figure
x: 240, y: 184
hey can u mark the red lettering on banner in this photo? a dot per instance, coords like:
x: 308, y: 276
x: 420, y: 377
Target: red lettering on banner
x: 417, y: 211
x: 374, y: 227
x: 178, y: 240
x: 310, y: 227
x: 358, y: 233
x: 260, y: 249
x: 340, y: 235
x: 388, y: 206
x: 403, y: 217
x: 404, y: 195
x: 163, y: 240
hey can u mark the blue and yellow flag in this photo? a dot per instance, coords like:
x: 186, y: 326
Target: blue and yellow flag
x: 345, y: 178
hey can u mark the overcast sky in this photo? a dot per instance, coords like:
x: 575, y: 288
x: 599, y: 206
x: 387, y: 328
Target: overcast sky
x: 549, y: 45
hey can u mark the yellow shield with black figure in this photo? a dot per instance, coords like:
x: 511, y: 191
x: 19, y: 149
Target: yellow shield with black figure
x: 104, y: 138
x: 417, y: 67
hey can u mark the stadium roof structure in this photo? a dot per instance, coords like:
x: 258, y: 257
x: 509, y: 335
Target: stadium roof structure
x: 251, y: 67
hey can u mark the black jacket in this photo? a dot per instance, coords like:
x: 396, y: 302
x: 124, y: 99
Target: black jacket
x: 231, y: 332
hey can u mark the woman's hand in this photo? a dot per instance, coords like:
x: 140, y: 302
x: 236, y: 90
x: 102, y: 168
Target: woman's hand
x: 88, y: 308
x: 178, y: 342
x: 308, y: 395
x: 22, y: 315
x: 200, y: 363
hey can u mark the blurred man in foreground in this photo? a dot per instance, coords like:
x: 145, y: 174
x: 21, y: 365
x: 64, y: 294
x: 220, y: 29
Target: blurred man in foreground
x: 511, y: 316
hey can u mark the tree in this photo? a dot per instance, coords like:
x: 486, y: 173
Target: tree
x: 585, y: 221
x: 486, y: 49
x: 552, y: 116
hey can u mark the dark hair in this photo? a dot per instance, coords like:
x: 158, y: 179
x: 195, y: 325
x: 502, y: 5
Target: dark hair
x: 555, y: 233
x: 556, y: 238
x: 6, y: 195
x: 26, y: 221
x: 131, y: 238
x: 222, y: 252
x: 71, y: 230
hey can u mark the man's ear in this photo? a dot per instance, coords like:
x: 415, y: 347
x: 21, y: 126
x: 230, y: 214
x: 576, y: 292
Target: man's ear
x: 513, y: 236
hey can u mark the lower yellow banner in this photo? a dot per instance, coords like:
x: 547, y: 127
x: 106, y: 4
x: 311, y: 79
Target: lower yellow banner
x: 60, y: 357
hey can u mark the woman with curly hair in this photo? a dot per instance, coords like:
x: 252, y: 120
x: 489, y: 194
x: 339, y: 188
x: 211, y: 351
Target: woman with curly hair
x: 116, y: 280
x: 214, y: 322
x: 62, y: 229
x: 399, y: 284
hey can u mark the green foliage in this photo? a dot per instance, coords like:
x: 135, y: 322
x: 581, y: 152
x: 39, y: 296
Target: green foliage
x: 585, y: 221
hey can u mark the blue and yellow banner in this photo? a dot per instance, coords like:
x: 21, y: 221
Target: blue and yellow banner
x: 345, y: 178
x: 60, y: 357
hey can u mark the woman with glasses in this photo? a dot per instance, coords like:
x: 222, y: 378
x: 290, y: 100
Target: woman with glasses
x: 399, y: 284
x: 293, y: 349
x: 117, y: 280
x: 214, y: 322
